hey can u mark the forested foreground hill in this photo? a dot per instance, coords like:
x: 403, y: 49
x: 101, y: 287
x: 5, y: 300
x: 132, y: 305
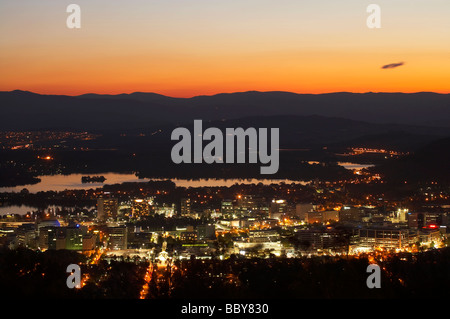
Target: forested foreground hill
x: 26, y: 274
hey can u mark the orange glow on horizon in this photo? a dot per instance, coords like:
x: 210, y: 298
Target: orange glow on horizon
x: 206, y: 48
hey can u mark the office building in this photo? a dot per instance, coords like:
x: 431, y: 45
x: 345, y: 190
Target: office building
x: 350, y: 214
x: 278, y: 208
x: 107, y: 208
x: 383, y: 238
x: 70, y: 238
x: 227, y: 208
x: 206, y: 232
x: 302, y: 208
x: 26, y: 235
x: 141, y: 207
x: 117, y: 237
x: 185, y: 206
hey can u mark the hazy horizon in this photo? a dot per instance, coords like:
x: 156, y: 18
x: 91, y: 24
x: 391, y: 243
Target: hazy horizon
x: 220, y: 93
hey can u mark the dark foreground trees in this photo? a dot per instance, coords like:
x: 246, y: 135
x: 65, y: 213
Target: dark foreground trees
x: 27, y: 274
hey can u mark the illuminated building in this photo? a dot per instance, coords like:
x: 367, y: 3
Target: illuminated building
x: 107, y: 208
x: 226, y: 208
x: 47, y: 237
x: 313, y: 217
x: 322, y: 216
x: 302, y: 208
x: 251, y: 205
x: 259, y: 241
x: 383, y: 238
x: 89, y: 241
x: 349, y: 214
x: 70, y: 238
x: 188, y: 236
x: 278, y: 208
x: 48, y: 223
x: 185, y: 206
x: 318, y: 238
x: 268, y: 235
x: 400, y: 216
x: 420, y: 220
x: 166, y: 210
x: 139, y: 239
x: 141, y: 207
x: 118, y: 237
x: 26, y: 235
x: 430, y: 234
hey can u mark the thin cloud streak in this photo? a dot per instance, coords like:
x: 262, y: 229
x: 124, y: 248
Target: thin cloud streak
x: 392, y: 65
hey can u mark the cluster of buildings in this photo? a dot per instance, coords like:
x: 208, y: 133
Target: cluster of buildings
x: 109, y: 208
x: 47, y: 234
x: 251, y: 225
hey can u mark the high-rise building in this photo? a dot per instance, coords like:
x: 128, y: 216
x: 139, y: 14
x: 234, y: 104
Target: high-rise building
x: 226, y: 208
x: 47, y: 237
x: 26, y: 235
x: 185, y: 208
x: 107, y: 208
x: 278, y: 208
x: 141, y: 207
x: 70, y: 237
x: 118, y: 237
x: 251, y: 205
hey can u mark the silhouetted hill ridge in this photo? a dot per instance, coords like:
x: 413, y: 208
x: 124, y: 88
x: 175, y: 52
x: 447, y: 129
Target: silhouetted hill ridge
x: 26, y: 110
x: 429, y: 163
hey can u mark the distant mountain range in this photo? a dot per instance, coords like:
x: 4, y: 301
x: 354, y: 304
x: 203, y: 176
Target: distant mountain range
x: 141, y: 123
x: 26, y: 110
x: 318, y: 131
x: 395, y: 120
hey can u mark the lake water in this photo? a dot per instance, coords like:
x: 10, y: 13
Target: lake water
x: 11, y: 210
x: 353, y: 166
x: 24, y: 209
x: 73, y: 181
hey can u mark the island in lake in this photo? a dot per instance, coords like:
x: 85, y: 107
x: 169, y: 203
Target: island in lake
x: 93, y: 179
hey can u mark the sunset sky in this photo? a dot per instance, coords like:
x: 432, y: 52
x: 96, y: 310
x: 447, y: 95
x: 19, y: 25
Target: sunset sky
x: 184, y: 48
